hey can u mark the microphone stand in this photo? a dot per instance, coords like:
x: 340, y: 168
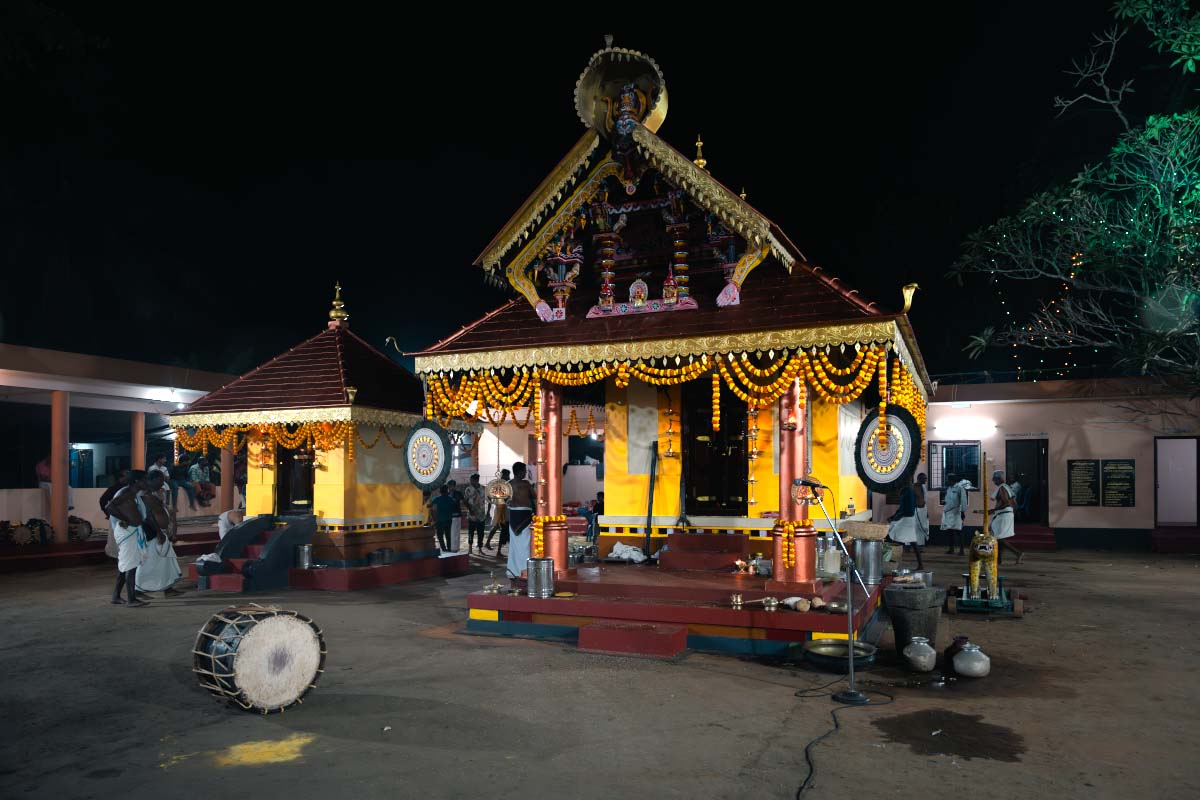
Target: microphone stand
x: 850, y: 696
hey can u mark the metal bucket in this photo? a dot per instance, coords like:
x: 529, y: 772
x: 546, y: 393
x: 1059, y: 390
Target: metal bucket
x: 380, y: 557
x: 868, y: 555
x: 540, y: 572
x: 304, y: 556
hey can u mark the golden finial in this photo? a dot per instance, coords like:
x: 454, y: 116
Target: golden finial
x: 699, y: 160
x: 338, y: 314
x: 908, y: 290
x: 743, y: 194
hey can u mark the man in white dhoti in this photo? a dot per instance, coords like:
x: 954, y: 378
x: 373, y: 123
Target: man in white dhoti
x: 520, y: 519
x: 921, y: 515
x: 160, y: 568
x: 1003, y: 524
x: 903, y: 528
x: 127, y: 513
x: 954, y: 513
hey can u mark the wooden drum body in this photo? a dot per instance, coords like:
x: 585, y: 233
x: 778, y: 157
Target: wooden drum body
x: 261, y: 658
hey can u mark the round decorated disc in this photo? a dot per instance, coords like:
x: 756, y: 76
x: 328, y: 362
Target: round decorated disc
x: 890, y: 463
x: 427, y: 454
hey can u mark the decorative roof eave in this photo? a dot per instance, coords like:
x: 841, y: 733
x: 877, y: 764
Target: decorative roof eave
x: 541, y: 202
x: 291, y: 416
x: 893, y: 331
x: 711, y: 195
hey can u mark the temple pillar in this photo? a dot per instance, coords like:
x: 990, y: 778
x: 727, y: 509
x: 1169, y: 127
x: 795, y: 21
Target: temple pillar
x: 793, y: 435
x: 60, y: 463
x: 225, y: 490
x: 137, y: 440
x: 555, y: 532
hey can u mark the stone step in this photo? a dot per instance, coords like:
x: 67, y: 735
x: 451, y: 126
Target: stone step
x: 225, y: 583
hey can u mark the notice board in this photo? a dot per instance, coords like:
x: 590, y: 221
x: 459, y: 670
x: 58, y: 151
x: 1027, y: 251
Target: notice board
x: 1117, y: 479
x: 1083, y: 482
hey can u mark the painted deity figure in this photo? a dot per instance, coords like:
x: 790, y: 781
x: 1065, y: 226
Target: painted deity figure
x: 984, y: 549
x: 637, y: 293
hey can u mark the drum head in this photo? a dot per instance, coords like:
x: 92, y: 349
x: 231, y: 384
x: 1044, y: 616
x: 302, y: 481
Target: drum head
x: 21, y: 534
x: 277, y: 662
x: 887, y: 467
x: 427, y: 454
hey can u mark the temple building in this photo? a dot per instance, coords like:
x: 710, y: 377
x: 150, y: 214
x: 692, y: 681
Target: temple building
x: 323, y: 427
x: 728, y: 365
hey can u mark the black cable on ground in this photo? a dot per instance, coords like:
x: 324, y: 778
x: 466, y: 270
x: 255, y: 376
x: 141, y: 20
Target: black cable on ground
x: 807, y: 693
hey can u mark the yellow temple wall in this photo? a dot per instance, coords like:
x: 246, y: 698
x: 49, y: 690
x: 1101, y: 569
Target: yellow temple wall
x: 333, y: 480
x: 833, y: 429
x: 625, y: 494
x: 766, y: 475
x: 832, y: 464
x: 260, y: 490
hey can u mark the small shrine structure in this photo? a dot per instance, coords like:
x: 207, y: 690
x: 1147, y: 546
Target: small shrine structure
x: 323, y: 427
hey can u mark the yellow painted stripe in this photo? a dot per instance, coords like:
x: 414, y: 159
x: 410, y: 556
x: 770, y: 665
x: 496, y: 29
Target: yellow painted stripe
x: 484, y: 613
x: 823, y: 635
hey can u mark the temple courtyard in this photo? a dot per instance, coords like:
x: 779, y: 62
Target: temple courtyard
x: 1089, y: 696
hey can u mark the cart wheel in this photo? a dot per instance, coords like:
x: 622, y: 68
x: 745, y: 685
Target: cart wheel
x: 951, y: 605
x: 1018, y: 607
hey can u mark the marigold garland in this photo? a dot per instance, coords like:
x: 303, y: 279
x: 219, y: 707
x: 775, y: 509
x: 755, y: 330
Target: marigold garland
x: 789, y: 544
x: 716, y: 402
x: 537, y: 546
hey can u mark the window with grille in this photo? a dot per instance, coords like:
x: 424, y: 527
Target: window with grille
x: 953, y: 458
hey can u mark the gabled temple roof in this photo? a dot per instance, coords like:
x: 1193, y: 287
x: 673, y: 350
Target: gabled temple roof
x: 787, y: 303
x: 316, y: 374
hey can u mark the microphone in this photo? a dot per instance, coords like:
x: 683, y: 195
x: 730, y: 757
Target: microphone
x: 810, y: 482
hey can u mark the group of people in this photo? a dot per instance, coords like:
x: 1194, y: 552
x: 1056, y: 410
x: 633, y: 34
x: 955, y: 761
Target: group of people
x: 196, y: 478
x: 511, y: 519
x: 909, y: 526
x: 141, y: 537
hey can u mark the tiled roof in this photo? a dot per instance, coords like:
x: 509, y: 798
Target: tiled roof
x: 772, y: 299
x: 315, y: 374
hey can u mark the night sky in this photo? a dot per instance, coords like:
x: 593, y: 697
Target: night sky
x: 185, y: 188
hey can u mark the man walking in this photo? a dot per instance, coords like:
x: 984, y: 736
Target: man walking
x: 520, y: 517
x: 954, y: 514
x: 443, y: 509
x: 476, y: 512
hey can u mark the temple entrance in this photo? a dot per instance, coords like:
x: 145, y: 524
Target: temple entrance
x: 1026, y: 461
x: 294, y: 481
x: 715, y: 466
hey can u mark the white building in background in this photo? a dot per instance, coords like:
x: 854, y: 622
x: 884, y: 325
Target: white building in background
x: 1101, y: 463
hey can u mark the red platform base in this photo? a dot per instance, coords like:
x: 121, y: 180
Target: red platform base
x: 788, y: 588
x: 333, y: 579
x: 613, y: 637
x: 634, y: 607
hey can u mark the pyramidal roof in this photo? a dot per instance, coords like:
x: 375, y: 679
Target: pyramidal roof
x: 317, y: 373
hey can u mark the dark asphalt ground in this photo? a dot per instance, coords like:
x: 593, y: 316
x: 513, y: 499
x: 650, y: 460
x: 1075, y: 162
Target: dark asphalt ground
x: 1092, y: 695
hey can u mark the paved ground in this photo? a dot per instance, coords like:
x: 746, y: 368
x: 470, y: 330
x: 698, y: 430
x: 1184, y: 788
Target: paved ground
x: 1092, y: 695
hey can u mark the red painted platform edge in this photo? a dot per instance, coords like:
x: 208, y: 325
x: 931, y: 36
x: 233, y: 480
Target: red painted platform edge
x: 633, y: 638
x: 646, y: 610
x: 351, y: 578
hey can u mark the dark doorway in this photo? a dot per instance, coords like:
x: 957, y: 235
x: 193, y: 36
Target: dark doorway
x: 714, y: 463
x: 293, y: 481
x: 1026, y: 462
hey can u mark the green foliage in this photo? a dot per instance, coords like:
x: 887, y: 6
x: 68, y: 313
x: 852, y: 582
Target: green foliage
x: 1115, y: 253
x: 1172, y: 24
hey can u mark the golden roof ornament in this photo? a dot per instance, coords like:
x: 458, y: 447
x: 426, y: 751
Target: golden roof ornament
x: 338, y: 316
x: 908, y: 290
x: 614, y: 72
x: 743, y: 194
x: 699, y: 160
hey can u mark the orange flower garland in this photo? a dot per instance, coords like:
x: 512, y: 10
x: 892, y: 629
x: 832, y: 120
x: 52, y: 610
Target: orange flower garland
x: 537, y: 545
x: 789, y: 544
x: 716, y: 398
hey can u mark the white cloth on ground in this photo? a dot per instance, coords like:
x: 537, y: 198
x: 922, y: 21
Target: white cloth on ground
x: 921, y: 519
x: 160, y: 569
x: 627, y: 552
